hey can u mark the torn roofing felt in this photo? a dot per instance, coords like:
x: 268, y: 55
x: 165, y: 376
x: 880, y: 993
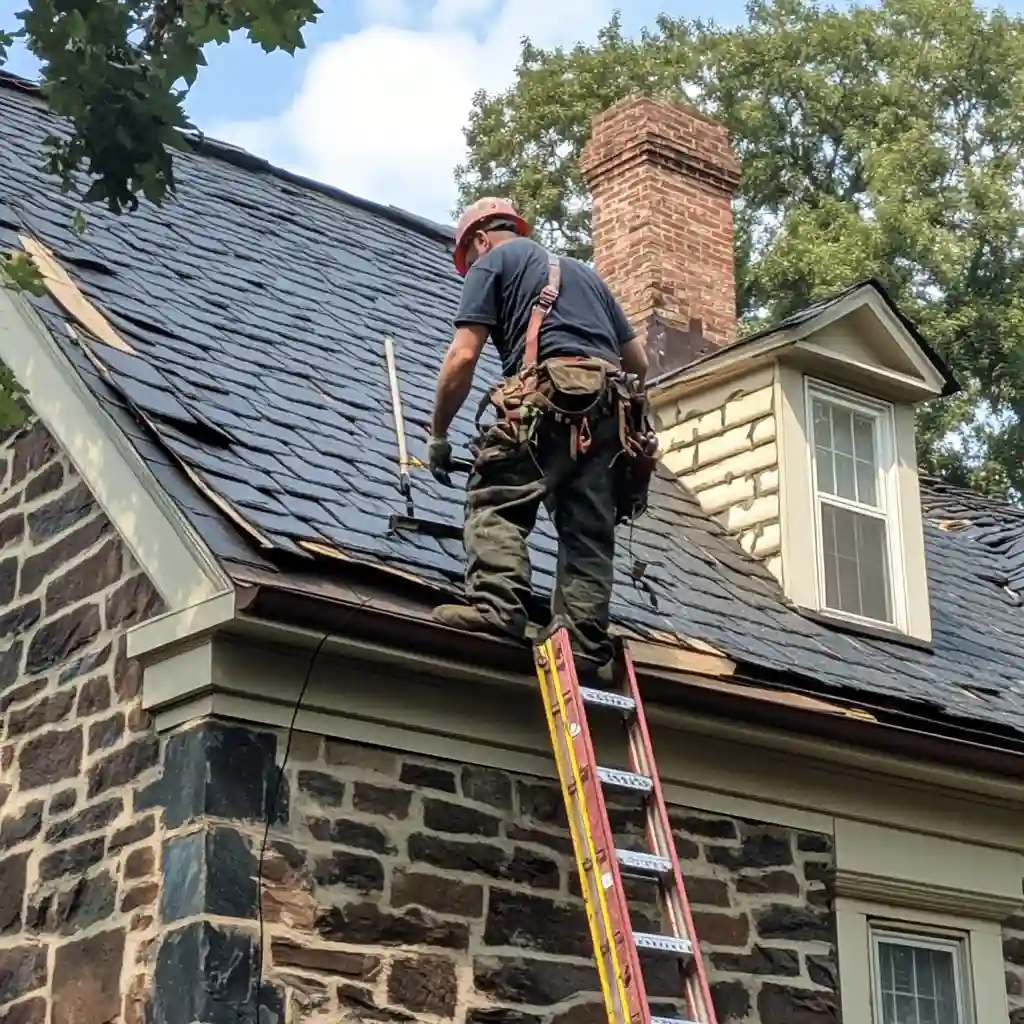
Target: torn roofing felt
x: 252, y: 379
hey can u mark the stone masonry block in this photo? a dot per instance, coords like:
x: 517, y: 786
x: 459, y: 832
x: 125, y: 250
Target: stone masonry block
x: 749, y: 407
x: 87, y: 979
x: 746, y: 463
x: 710, y: 423
x: 225, y: 960
x: 760, y: 510
x: 764, y: 431
x: 731, y: 442
x: 680, y: 460
x: 717, y: 499
x: 221, y: 770
x: 767, y: 482
x: 212, y: 871
x: 769, y: 540
x: 702, y: 399
x: 678, y: 435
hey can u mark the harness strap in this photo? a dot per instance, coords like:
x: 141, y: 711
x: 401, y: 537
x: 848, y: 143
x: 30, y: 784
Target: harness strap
x: 541, y: 307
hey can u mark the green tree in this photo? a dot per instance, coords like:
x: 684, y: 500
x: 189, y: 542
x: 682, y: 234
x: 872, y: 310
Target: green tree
x: 883, y: 140
x: 119, y: 71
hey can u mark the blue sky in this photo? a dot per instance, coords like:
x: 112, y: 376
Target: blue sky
x: 376, y: 102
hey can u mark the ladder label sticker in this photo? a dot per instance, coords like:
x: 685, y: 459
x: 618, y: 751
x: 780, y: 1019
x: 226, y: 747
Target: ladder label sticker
x: 607, y: 880
x: 574, y: 729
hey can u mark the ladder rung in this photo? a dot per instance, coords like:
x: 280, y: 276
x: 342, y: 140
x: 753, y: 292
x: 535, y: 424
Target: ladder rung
x: 618, y: 779
x: 667, y: 945
x: 604, y: 699
x: 671, y: 1020
x: 647, y: 864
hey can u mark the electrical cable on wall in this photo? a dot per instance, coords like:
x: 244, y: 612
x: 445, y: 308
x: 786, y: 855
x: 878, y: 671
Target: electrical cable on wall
x: 273, y: 802
x: 272, y: 811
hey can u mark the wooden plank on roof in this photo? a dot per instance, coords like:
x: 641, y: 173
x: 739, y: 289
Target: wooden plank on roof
x: 69, y: 296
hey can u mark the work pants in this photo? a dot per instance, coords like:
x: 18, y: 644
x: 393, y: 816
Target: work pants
x: 509, y: 482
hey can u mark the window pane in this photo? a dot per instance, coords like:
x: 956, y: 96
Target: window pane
x: 828, y: 545
x: 864, y: 438
x: 917, y: 985
x: 822, y: 424
x: 906, y: 1011
x: 845, y: 452
x: 873, y: 558
x: 866, y: 490
x: 856, y: 563
x: 846, y: 477
x: 826, y: 473
x: 864, y: 451
x: 842, y: 430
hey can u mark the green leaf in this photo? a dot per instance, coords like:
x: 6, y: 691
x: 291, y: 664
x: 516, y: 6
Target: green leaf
x: 113, y: 69
x: 19, y: 272
x: 14, y: 410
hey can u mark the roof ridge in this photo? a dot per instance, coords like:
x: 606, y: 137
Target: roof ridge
x: 938, y: 486
x: 242, y: 158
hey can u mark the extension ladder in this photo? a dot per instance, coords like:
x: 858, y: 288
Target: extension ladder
x: 601, y: 866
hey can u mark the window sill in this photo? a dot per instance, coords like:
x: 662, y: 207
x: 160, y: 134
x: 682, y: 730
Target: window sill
x: 887, y: 633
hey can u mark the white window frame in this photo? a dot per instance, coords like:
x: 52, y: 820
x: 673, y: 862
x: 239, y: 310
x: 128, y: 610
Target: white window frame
x: 902, y: 933
x: 973, y: 921
x: 883, y: 415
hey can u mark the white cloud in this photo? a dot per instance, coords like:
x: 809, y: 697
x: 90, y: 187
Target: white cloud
x: 389, y: 12
x: 380, y: 112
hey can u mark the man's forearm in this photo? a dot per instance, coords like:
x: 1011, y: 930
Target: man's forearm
x: 634, y: 359
x: 453, y: 387
x: 455, y: 380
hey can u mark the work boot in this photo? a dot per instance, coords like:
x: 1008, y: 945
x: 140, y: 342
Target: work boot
x: 594, y: 674
x: 472, y: 620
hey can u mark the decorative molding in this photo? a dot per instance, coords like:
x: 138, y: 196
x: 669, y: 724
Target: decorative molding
x: 940, y: 899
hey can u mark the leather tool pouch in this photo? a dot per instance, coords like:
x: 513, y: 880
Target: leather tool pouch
x: 636, y: 462
x: 573, y: 388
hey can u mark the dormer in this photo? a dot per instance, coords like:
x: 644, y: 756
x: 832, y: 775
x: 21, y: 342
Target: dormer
x: 799, y: 439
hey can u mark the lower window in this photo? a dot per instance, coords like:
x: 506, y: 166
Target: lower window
x: 919, y: 978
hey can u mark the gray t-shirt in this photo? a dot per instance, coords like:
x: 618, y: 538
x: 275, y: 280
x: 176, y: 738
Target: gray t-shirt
x: 501, y: 288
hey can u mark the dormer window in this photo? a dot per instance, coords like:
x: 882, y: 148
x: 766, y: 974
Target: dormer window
x: 851, y: 448
x: 800, y: 441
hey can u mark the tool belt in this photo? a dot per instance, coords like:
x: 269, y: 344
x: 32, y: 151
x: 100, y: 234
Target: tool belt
x: 573, y: 390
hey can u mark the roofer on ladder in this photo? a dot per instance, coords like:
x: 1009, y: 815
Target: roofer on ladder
x: 571, y: 429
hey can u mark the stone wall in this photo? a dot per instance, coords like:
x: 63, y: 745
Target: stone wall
x: 393, y: 888
x: 721, y: 442
x: 399, y: 888
x: 77, y: 864
x: 1013, y: 952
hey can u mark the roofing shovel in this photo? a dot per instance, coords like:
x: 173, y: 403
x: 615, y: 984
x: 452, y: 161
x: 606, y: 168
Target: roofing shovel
x: 410, y: 522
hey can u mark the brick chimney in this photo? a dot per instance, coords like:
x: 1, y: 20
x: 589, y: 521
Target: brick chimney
x: 661, y: 178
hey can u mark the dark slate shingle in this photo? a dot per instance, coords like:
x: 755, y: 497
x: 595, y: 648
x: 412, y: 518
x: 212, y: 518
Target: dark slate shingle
x: 257, y: 306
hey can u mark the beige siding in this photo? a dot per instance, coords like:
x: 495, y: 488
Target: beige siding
x: 721, y: 442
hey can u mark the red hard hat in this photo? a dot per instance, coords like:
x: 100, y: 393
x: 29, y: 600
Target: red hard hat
x: 473, y: 216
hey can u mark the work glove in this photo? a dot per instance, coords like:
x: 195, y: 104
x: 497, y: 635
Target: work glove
x: 439, y: 460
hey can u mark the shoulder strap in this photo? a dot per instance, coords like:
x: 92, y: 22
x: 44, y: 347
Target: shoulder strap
x: 544, y: 302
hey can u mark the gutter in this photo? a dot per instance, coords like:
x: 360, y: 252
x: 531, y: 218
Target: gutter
x: 680, y: 684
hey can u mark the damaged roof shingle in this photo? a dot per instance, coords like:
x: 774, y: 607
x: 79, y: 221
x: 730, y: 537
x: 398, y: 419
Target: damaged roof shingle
x: 256, y: 307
